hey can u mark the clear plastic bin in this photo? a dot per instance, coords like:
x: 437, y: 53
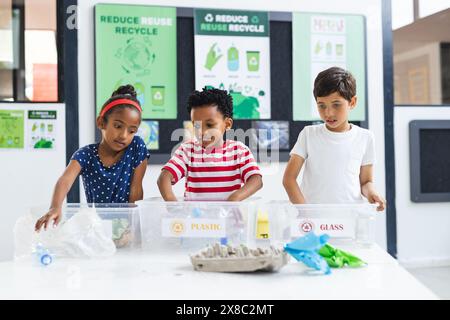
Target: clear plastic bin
x: 120, y: 220
x: 344, y: 223
x: 189, y: 226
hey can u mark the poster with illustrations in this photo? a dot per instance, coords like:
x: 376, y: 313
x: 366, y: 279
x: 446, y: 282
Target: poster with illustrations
x: 271, y: 134
x: 321, y: 41
x: 137, y: 45
x: 11, y: 129
x: 41, y: 129
x: 232, y: 52
x: 149, y: 132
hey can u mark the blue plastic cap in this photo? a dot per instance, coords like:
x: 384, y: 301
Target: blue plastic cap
x: 196, y: 212
x: 46, y: 259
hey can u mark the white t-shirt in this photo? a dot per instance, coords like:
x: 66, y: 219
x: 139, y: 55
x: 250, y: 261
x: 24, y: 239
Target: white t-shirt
x: 333, y: 162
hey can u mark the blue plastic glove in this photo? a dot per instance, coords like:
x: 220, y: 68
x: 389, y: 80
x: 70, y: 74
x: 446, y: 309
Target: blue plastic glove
x: 310, y: 258
x: 309, y: 242
x: 305, y: 249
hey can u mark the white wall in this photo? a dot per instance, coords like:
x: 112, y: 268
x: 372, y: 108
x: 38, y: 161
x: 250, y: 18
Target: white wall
x: 27, y: 177
x: 423, y: 237
x: 272, y: 180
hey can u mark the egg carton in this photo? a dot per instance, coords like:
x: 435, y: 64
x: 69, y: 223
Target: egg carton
x: 221, y: 258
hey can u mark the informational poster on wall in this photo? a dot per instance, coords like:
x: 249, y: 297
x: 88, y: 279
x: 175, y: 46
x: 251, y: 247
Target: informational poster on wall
x: 42, y: 132
x: 137, y: 45
x: 271, y: 134
x: 149, y: 132
x: 321, y: 41
x: 12, y: 129
x: 232, y: 52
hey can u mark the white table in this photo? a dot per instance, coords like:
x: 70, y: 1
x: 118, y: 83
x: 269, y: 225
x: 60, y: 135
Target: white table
x: 144, y: 275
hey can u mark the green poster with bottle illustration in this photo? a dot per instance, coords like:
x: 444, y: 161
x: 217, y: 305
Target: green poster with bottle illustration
x: 137, y: 45
x: 232, y: 52
x: 11, y: 129
x: 321, y: 41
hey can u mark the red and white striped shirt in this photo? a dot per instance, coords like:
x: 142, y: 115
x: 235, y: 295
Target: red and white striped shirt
x: 212, y: 174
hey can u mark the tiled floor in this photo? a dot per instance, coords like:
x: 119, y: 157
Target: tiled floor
x: 436, y: 279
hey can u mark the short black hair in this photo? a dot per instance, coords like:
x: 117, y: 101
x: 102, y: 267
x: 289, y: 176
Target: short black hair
x: 211, y: 96
x: 123, y: 92
x: 332, y: 80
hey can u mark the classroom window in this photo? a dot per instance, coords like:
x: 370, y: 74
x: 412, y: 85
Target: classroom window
x: 422, y: 57
x: 28, y: 51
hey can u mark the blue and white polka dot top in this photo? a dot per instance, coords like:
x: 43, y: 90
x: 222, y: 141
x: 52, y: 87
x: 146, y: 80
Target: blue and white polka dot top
x: 109, y: 184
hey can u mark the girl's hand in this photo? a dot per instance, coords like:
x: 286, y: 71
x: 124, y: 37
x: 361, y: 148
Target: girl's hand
x: 53, y: 215
x: 62, y: 187
x: 374, y: 197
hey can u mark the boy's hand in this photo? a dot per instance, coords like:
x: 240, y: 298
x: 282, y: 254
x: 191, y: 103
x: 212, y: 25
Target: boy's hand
x: 374, y: 197
x: 53, y: 215
x: 165, y: 185
x: 253, y: 184
x: 234, y: 197
x: 367, y: 188
x: 171, y: 198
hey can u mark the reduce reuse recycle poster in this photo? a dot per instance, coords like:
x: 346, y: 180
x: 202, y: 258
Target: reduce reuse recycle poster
x: 232, y: 52
x: 137, y: 45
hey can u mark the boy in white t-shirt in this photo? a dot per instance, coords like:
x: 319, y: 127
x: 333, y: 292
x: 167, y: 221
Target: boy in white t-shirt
x: 337, y: 157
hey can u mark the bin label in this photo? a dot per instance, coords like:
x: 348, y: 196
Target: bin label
x: 336, y: 228
x: 194, y: 228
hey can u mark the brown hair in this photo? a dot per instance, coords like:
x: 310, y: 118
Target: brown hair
x: 332, y: 80
x: 123, y: 92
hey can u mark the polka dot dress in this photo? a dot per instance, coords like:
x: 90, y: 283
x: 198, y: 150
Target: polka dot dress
x: 109, y: 184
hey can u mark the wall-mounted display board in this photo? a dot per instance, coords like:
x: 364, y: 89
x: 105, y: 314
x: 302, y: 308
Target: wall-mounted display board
x: 137, y: 45
x: 321, y: 41
x: 429, y: 142
x: 162, y: 135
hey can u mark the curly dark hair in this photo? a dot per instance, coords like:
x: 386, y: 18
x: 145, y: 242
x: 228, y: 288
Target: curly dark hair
x: 332, y: 80
x: 212, y: 97
x: 123, y: 92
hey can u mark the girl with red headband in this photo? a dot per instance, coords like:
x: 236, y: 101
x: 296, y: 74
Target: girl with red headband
x: 112, y: 170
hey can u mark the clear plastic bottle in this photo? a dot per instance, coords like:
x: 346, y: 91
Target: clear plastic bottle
x: 43, y: 255
x: 192, y: 243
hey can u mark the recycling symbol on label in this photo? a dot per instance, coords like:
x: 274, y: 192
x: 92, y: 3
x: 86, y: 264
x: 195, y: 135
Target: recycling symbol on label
x: 157, y: 96
x: 209, y: 17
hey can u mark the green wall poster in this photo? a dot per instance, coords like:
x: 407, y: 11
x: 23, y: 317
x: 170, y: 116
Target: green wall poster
x: 321, y: 41
x: 232, y: 52
x: 12, y: 129
x: 137, y: 45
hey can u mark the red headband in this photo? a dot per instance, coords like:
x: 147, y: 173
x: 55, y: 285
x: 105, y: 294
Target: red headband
x: 120, y: 101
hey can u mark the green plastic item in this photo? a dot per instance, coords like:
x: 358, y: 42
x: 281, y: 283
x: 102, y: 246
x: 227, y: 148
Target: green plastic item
x: 43, y: 144
x: 337, y: 258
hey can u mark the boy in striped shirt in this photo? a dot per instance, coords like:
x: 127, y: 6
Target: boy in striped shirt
x: 213, y: 168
